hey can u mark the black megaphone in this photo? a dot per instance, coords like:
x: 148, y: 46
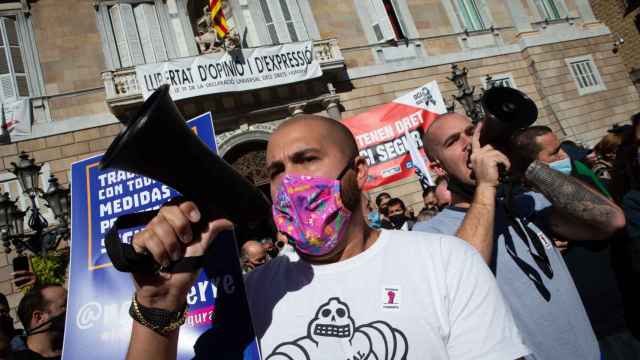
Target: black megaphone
x: 506, y: 110
x: 159, y: 145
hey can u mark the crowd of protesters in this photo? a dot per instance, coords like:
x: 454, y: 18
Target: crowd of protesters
x: 549, y: 269
x: 586, y: 287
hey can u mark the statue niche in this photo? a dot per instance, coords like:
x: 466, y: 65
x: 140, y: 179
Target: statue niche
x: 206, y: 37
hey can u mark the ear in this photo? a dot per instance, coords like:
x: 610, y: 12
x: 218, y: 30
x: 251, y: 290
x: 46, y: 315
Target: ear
x: 37, y: 318
x: 362, y: 171
x: 437, y: 168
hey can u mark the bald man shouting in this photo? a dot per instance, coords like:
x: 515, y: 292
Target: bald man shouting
x: 513, y: 234
x: 348, y: 291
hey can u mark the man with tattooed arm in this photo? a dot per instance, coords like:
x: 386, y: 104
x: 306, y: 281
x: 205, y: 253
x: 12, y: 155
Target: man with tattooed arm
x: 513, y: 234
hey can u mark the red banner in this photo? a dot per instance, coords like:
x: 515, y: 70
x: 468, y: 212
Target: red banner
x: 381, y: 133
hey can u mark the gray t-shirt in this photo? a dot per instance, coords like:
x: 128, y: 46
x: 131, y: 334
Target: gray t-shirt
x: 545, y: 304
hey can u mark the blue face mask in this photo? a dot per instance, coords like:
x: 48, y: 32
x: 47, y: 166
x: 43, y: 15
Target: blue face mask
x: 374, y: 219
x: 563, y: 166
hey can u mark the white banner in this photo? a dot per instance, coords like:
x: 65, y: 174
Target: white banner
x: 17, y: 115
x: 238, y: 70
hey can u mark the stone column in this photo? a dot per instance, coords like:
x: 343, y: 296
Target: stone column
x: 297, y: 109
x: 109, y: 85
x: 332, y: 106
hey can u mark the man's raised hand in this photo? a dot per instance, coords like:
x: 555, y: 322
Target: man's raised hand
x: 170, y: 237
x: 484, y: 161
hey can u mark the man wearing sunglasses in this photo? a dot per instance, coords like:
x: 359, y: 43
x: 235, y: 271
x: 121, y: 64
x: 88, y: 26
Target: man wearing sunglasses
x: 513, y: 234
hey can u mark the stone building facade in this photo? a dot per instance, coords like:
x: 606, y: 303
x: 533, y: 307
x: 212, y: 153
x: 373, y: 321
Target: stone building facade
x: 623, y: 18
x: 80, y: 69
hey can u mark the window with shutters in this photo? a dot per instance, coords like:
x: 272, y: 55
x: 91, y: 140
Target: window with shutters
x: 586, y: 75
x: 471, y: 15
x: 133, y: 33
x: 283, y: 20
x: 385, y: 20
x: 549, y: 9
x: 13, y: 77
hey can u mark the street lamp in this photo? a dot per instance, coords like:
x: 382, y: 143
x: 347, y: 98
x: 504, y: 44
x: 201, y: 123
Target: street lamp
x: 465, y: 96
x: 57, y: 199
x: 41, y: 237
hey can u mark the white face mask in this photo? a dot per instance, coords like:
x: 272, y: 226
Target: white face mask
x: 563, y: 166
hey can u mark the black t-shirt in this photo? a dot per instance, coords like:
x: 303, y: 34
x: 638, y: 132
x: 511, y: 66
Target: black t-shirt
x: 30, y: 355
x: 590, y: 264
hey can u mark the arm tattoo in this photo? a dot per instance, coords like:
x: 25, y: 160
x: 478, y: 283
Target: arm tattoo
x: 570, y: 196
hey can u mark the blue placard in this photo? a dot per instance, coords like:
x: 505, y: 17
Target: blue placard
x: 98, y: 324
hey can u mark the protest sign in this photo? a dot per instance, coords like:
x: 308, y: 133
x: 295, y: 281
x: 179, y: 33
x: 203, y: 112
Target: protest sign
x: 381, y: 133
x: 98, y: 324
x: 237, y: 70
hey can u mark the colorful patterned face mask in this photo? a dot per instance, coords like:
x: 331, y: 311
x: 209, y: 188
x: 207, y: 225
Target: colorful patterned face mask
x: 309, y: 210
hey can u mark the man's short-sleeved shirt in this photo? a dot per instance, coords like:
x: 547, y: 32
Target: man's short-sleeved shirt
x: 546, y: 306
x: 410, y: 295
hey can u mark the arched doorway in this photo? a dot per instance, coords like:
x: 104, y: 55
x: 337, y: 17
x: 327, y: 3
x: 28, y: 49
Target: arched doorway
x: 246, y: 150
x: 248, y: 155
x: 249, y: 158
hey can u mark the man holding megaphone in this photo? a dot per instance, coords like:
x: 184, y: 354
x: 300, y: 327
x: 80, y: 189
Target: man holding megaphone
x: 348, y: 292
x: 512, y: 230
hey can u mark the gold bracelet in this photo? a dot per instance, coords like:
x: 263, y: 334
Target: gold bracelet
x: 159, y: 320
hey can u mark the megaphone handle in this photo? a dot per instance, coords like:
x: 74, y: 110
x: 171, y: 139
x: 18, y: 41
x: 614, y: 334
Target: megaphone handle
x: 503, y: 175
x: 124, y: 257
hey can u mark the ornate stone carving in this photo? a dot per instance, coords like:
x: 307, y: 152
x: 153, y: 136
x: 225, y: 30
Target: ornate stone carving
x: 297, y: 109
x: 253, y: 166
x: 262, y: 131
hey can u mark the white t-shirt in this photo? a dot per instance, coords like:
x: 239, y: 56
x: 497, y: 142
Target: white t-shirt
x: 409, y: 296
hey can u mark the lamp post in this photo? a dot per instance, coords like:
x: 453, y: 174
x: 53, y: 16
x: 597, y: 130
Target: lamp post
x: 465, y: 96
x: 40, y: 237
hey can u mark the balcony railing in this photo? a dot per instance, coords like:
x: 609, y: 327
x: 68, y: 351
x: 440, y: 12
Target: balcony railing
x: 121, y: 85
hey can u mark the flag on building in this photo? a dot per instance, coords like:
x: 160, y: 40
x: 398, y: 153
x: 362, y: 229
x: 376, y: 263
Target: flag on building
x: 218, y: 21
x: 386, y: 134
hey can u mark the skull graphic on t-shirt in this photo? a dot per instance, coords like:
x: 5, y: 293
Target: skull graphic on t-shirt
x: 332, y: 333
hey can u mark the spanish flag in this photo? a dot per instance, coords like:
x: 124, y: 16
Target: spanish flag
x: 218, y: 21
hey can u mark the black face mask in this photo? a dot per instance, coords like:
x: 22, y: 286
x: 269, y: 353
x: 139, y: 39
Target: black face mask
x: 57, y: 325
x: 6, y: 324
x: 398, y: 220
x: 384, y: 211
x: 273, y: 252
x: 431, y: 207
